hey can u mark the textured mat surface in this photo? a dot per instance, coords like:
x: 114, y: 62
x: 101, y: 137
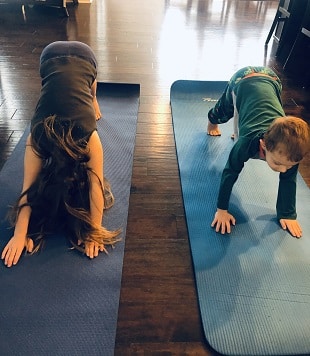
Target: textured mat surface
x: 58, y: 302
x: 253, y: 285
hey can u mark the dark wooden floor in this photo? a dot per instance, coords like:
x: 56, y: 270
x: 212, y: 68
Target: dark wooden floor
x: 153, y: 43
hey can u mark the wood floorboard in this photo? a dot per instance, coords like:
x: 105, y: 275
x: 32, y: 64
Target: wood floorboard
x: 152, y: 43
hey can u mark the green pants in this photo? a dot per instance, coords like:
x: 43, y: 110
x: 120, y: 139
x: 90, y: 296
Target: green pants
x: 224, y: 109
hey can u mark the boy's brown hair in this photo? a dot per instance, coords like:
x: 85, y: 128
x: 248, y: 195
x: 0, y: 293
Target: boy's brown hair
x: 290, y: 136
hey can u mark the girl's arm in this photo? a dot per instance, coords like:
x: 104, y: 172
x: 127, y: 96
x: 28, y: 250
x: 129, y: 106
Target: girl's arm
x: 14, y: 248
x: 95, y: 163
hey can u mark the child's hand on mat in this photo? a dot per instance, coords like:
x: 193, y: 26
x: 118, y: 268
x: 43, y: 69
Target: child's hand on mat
x: 14, y: 248
x: 292, y: 226
x: 92, y: 248
x: 222, y: 221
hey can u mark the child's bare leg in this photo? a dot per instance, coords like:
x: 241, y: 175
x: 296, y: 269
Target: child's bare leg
x: 108, y: 195
x: 95, y: 102
x: 213, y: 129
x: 97, y: 109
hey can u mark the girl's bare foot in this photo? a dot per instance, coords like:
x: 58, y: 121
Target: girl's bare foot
x: 213, y: 129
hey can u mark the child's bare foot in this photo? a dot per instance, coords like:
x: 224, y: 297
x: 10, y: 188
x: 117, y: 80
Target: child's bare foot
x: 213, y: 129
x: 232, y: 136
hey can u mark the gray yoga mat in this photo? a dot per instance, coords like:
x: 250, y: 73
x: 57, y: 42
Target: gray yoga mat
x: 59, y: 302
x: 253, y: 285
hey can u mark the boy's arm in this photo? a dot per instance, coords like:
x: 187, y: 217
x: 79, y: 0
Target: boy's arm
x: 238, y: 156
x: 286, y: 202
x: 14, y: 248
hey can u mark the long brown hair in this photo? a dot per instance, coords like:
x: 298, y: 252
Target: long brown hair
x: 59, y: 197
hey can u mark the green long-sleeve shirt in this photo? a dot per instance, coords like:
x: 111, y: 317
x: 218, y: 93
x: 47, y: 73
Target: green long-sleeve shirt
x: 258, y: 103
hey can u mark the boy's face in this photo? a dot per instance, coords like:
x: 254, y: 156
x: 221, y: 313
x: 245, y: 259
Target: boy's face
x: 276, y: 160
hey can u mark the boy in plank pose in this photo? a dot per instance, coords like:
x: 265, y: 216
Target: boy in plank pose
x: 261, y: 130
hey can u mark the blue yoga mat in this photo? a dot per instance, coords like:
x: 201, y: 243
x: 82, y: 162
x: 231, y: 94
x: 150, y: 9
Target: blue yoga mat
x: 253, y: 285
x: 59, y: 302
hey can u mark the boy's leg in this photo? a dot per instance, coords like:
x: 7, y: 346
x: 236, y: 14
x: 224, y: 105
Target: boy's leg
x: 225, y: 108
x: 222, y: 112
x: 235, y: 135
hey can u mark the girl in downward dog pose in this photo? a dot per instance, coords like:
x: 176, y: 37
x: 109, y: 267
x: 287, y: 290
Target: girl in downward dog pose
x: 64, y: 188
